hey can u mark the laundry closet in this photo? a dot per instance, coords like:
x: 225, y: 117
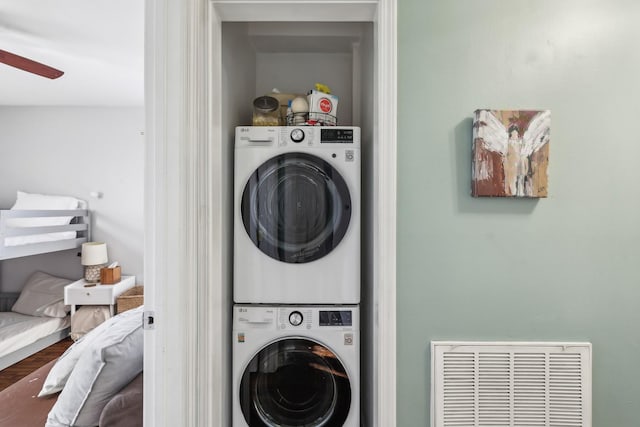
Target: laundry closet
x: 291, y: 57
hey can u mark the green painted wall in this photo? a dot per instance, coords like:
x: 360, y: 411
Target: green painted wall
x: 562, y: 268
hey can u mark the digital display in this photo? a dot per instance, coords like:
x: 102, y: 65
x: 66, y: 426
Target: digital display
x: 336, y: 136
x: 336, y: 318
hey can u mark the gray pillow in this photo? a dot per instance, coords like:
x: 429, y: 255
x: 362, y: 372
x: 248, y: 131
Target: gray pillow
x: 43, y: 295
x: 125, y: 408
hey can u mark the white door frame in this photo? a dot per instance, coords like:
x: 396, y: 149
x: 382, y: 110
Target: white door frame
x: 185, y: 257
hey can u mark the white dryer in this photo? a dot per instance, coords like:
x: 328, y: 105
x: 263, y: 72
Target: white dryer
x: 297, y: 215
x: 296, y: 366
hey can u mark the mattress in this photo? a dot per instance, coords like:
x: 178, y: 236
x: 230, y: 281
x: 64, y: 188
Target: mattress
x: 39, y: 238
x: 19, y: 330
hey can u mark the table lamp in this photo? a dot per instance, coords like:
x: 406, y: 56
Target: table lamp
x: 94, y: 257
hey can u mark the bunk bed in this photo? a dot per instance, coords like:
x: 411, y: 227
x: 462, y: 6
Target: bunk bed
x: 19, y: 240
x: 22, y: 335
x: 98, y: 381
x: 26, y: 232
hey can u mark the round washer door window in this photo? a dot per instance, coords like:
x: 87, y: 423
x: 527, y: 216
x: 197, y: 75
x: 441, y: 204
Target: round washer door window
x: 296, y: 208
x: 295, y: 382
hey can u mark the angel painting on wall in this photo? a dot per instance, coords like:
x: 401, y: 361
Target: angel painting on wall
x: 510, y: 153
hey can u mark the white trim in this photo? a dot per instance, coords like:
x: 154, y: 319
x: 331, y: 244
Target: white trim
x: 154, y: 66
x: 384, y: 238
x: 185, y: 265
x: 296, y: 10
x: 215, y: 381
x: 164, y: 401
x: 197, y: 216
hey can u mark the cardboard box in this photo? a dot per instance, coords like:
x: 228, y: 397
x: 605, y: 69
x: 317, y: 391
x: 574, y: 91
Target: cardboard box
x: 109, y: 276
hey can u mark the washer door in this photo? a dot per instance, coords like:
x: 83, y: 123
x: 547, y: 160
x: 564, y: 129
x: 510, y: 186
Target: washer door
x: 296, y: 208
x: 295, y: 382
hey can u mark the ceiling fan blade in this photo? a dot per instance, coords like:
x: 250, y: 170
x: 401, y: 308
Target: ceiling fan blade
x: 29, y: 65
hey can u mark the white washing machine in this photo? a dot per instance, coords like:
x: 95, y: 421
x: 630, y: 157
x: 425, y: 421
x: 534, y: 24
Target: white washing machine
x: 296, y: 366
x: 297, y: 215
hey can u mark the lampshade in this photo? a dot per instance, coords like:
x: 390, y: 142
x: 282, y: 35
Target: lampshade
x: 94, y: 253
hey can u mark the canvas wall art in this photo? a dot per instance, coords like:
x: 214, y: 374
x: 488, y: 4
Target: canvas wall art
x: 510, y: 153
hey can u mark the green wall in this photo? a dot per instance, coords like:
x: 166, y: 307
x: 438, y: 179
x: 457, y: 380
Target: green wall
x: 562, y: 268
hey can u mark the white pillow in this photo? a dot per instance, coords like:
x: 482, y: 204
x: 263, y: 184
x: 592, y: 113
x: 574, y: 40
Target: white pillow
x: 28, y: 201
x: 110, y: 362
x: 42, y: 295
x: 61, y: 370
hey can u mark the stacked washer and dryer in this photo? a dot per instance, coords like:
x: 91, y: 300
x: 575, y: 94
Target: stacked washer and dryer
x: 296, y: 286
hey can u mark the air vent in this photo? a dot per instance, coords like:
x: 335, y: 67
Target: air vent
x: 519, y: 384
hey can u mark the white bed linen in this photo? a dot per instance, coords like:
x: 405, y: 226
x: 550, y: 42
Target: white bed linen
x: 18, y: 330
x: 39, y: 238
x: 31, y: 201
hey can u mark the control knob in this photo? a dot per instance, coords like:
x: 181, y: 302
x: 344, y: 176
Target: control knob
x: 295, y: 318
x: 297, y: 135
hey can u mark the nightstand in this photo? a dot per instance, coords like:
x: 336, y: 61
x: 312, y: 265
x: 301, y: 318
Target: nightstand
x: 77, y: 293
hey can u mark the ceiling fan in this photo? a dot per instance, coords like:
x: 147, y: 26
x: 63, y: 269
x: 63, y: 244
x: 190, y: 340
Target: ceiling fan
x: 29, y: 65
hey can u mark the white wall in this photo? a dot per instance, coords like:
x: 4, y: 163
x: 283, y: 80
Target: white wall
x: 298, y: 73
x: 75, y: 151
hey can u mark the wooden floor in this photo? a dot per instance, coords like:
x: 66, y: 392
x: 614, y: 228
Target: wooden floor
x: 23, y: 368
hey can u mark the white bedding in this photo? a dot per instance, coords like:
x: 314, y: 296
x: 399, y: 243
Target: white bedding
x: 38, y: 238
x: 18, y: 330
x: 31, y: 201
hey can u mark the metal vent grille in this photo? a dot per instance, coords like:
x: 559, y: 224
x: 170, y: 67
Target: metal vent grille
x: 520, y: 384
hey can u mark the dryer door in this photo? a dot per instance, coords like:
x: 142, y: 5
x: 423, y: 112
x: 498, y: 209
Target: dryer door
x: 296, y: 207
x: 295, y: 382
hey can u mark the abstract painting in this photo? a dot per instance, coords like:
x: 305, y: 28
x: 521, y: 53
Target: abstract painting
x: 510, y: 153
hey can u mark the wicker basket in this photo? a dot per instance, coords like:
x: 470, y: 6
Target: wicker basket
x: 129, y: 299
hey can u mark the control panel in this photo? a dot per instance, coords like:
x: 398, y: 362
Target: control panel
x: 336, y: 135
x: 282, y: 136
x: 335, y: 318
x: 295, y: 318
